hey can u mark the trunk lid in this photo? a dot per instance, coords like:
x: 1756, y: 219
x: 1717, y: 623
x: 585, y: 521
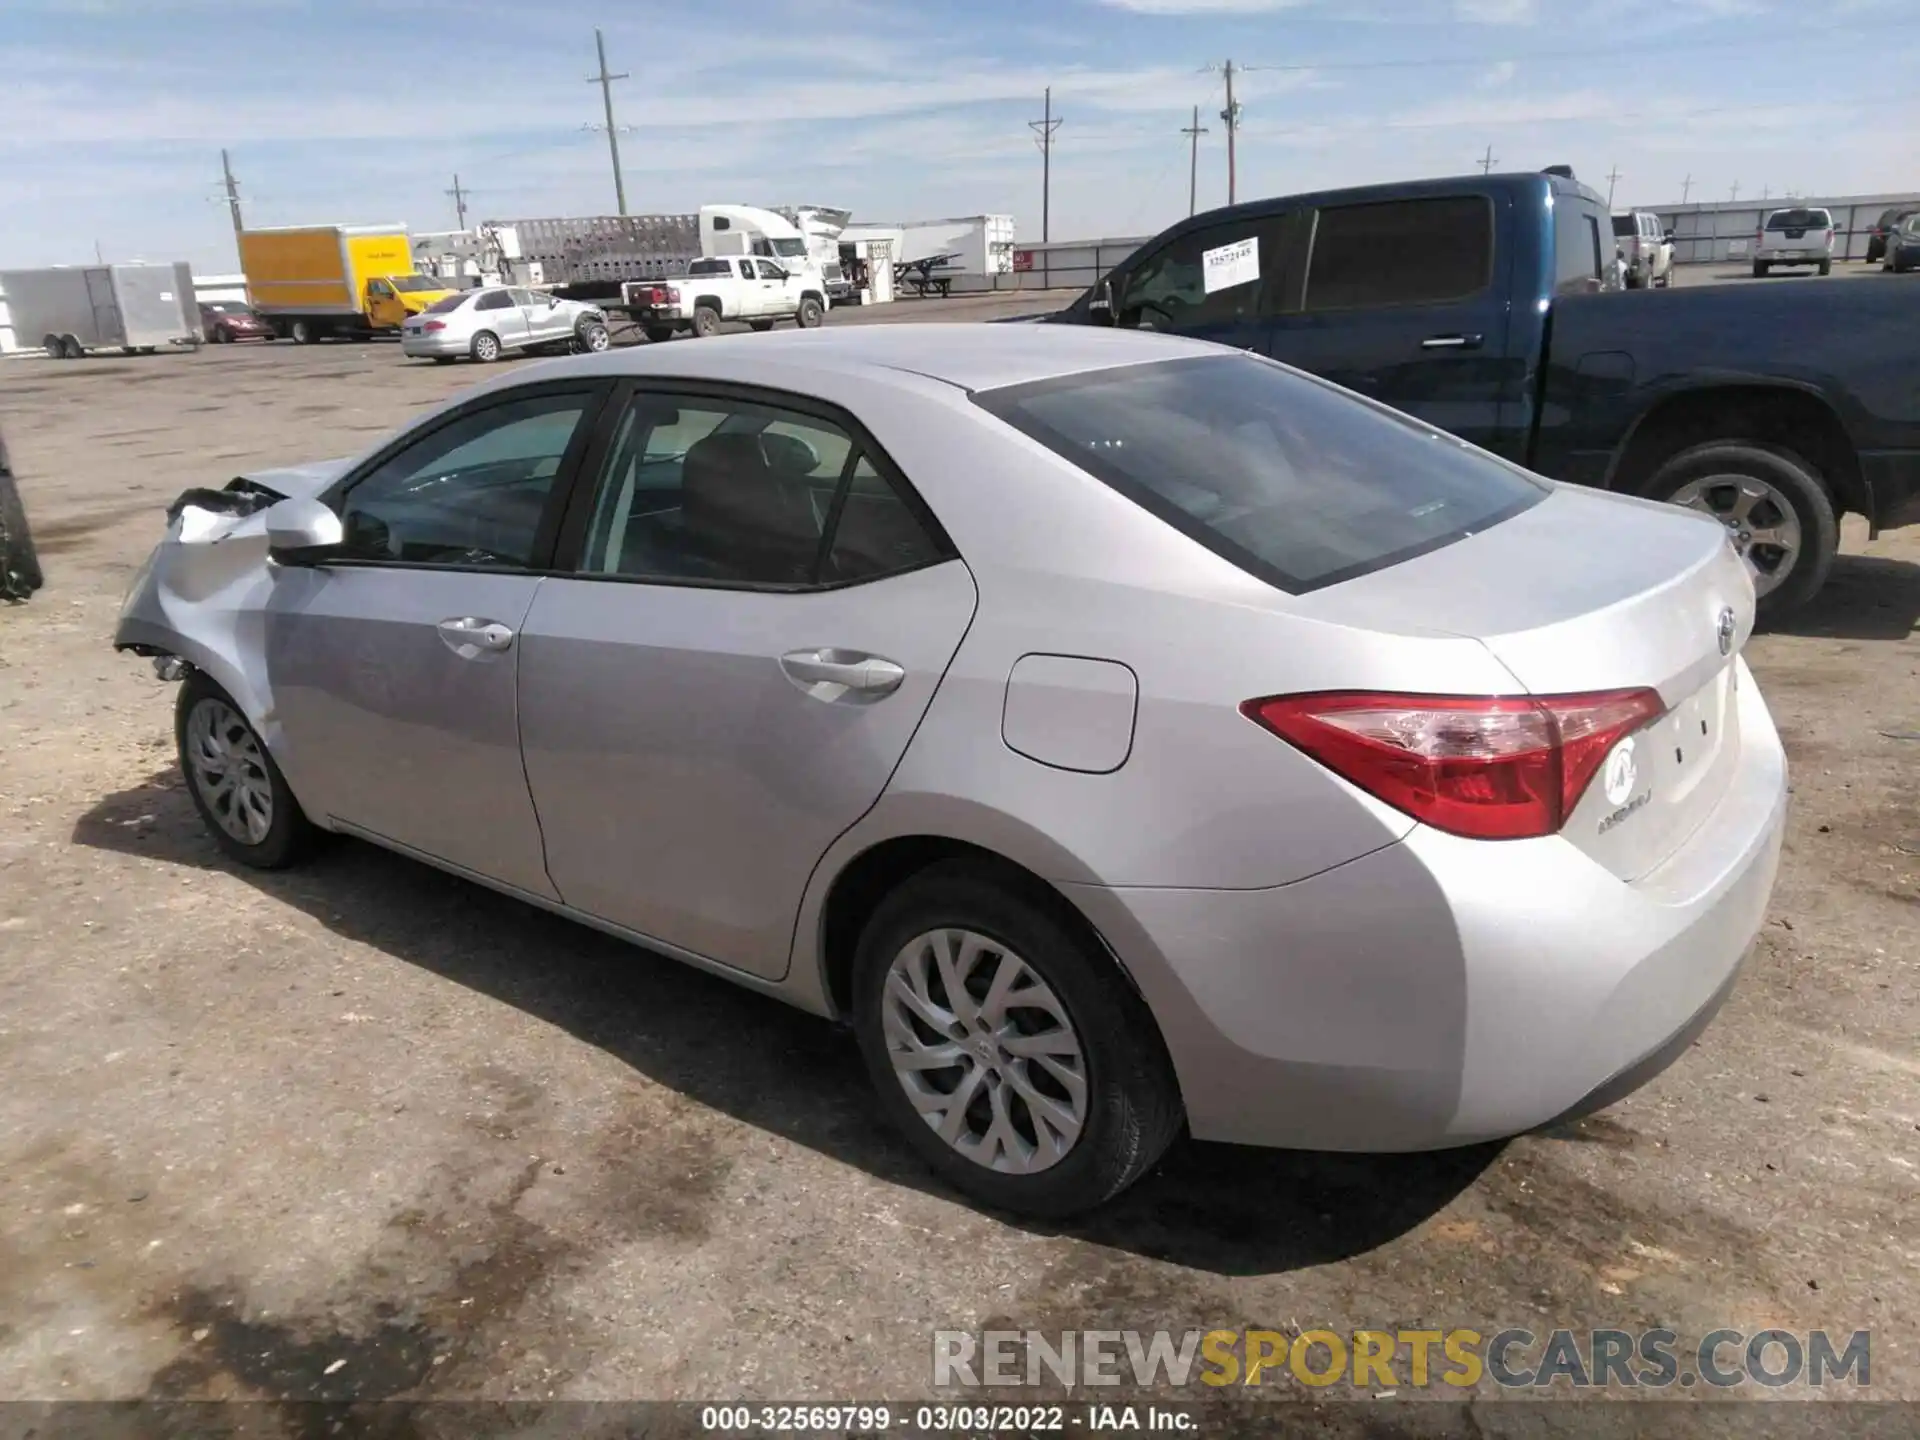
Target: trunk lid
x: 1585, y: 592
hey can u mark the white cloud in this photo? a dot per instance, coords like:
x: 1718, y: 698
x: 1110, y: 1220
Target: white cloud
x: 1495, y: 12
x: 1203, y: 7
x: 1497, y: 75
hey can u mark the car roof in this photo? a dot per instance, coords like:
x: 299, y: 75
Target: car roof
x: 971, y: 357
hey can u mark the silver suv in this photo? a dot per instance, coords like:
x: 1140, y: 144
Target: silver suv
x: 1799, y: 236
x: 1646, y: 248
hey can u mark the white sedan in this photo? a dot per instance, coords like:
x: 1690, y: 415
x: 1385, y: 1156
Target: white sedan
x: 486, y: 323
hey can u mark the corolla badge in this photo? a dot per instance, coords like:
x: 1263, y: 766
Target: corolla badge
x: 1620, y: 773
x: 1728, y: 625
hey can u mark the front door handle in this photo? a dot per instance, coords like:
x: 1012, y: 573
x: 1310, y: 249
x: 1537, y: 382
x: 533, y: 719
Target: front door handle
x: 848, y: 669
x: 1453, y: 342
x: 465, y: 633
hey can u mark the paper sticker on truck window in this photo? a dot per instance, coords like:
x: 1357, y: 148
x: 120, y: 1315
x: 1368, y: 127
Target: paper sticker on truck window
x: 1230, y: 265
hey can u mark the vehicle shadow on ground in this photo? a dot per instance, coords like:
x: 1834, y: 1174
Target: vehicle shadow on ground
x: 1229, y: 1210
x: 1867, y: 597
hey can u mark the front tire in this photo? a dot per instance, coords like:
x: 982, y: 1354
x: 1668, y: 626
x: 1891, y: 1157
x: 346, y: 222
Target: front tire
x: 238, y: 789
x: 304, y: 332
x: 1009, y: 1050
x: 592, y: 338
x: 222, y: 335
x: 1774, y: 505
x: 486, y: 347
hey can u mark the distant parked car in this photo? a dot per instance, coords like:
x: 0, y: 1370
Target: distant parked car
x: 486, y: 323
x: 226, y: 321
x: 1903, y: 245
x: 1888, y: 222
x: 1645, y: 247
x: 1798, y: 236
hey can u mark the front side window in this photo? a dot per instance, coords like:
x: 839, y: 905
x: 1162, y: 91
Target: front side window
x: 1400, y: 252
x: 770, y: 271
x: 471, y: 493
x: 734, y: 492
x: 379, y: 289
x: 1284, y: 476
x: 1168, y: 290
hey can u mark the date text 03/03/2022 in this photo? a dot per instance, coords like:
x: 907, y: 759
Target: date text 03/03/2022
x: 963, y: 1419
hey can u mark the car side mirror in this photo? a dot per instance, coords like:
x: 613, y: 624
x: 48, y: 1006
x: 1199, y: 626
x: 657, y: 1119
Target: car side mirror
x: 553, y: 302
x: 302, y: 532
x: 1100, y: 307
x: 1668, y: 237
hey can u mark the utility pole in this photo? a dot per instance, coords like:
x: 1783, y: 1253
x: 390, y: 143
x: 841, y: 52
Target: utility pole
x: 1733, y: 195
x: 459, y: 200
x: 1766, y: 193
x: 1043, y: 136
x: 1686, y: 187
x: 233, y: 196
x: 1193, y: 132
x: 1614, y: 177
x: 1232, y: 117
x: 605, y: 81
x: 1487, y: 161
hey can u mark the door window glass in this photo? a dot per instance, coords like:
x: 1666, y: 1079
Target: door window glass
x: 770, y: 271
x: 1577, y: 252
x: 1401, y: 252
x: 471, y: 493
x: 522, y: 297
x: 1168, y: 289
x: 733, y: 492
x: 494, y: 300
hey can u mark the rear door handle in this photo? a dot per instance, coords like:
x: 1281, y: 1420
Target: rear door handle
x: 465, y: 632
x: 849, y: 669
x: 1453, y: 342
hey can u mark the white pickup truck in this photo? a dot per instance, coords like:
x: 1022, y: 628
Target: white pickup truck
x: 718, y: 288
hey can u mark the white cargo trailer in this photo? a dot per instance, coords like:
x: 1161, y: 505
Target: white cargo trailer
x: 968, y: 251
x: 68, y: 310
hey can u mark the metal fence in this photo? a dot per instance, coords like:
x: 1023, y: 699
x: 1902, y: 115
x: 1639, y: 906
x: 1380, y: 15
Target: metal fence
x: 1724, y: 232
x: 1067, y: 264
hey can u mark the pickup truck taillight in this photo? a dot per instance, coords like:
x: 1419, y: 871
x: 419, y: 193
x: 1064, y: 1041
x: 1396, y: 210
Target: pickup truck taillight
x: 434, y: 325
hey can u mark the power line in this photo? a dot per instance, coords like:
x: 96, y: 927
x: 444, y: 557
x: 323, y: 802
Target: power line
x: 605, y: 81
x: 1043, y: 134
x: 1637, y: 50
x: 1194, y: 132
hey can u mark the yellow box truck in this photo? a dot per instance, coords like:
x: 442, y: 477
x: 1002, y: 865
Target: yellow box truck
x: 311, y: 281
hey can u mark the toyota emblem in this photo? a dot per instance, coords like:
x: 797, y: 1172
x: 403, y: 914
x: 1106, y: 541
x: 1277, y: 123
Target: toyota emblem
x: 1728, y: 625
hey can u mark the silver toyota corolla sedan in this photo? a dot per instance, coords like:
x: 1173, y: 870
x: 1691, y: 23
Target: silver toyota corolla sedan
x: 1117, y: 731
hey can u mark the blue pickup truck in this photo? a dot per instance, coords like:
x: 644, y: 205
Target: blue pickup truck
x: 1489, y: 307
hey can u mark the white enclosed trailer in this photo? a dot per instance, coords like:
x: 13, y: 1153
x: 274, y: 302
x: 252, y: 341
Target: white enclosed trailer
x: 68, y: 310
x: 968, y: 251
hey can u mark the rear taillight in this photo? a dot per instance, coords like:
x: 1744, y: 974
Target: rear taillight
x: 1487, y: 767
x: 434, y: 325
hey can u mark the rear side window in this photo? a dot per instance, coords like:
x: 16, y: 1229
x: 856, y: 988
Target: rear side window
x: 1576, y: 247
x: 1401, y: 252
x: 1288, y: 478
x: 710, y: 267
x: 447, y: 304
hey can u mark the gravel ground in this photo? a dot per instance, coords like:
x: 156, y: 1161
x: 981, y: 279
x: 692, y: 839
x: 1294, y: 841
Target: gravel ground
x: 362, y: 1130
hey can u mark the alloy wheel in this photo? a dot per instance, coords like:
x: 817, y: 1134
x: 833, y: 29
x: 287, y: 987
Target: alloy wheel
x: 229, y: 771
x: 985, y: 1051
x: 1760, y: 520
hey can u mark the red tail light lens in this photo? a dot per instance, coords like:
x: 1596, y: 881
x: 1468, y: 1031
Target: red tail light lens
x: 434, y: 325
x: 1486, y: 767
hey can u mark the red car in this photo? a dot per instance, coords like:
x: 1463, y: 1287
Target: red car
x: 226, y: 321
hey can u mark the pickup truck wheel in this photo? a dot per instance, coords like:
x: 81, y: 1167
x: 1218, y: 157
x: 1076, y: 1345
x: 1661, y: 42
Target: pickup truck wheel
x: 809, y: 315
x: 1775, y: 508
x: 1760, y: 269
x: 659, y: 334
x: 486, y: 347
x: 706, y: 321
x: 1826, y: 267
x: 760, y: 327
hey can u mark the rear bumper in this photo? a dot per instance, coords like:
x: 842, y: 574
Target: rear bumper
x: 429, y: 346
x: 1793, y: 257
x: 1441, y: 991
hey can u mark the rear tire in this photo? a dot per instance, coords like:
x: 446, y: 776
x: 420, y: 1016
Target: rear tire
x: 486, y: 347
x: 1760, y: 269
x: 303, y: 332
x: 1826, y: 267
x: 810, y: 315
x: 55, y: 347
x: 706, y: 322
x: 1108, y: 1075
x: 234, y: 783
x: 1706, y: 477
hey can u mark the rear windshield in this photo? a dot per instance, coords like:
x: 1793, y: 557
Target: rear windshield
x: 449, y: 302
x: 1285, y: 476
x: 1798, y: 220
x: 710, y: 267
x: 1623, y: 225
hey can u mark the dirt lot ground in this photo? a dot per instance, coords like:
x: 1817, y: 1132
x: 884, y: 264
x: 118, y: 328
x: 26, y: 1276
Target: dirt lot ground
x: 362, y: 1130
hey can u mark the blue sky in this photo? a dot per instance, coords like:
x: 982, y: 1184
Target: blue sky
x: 114, y: 112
